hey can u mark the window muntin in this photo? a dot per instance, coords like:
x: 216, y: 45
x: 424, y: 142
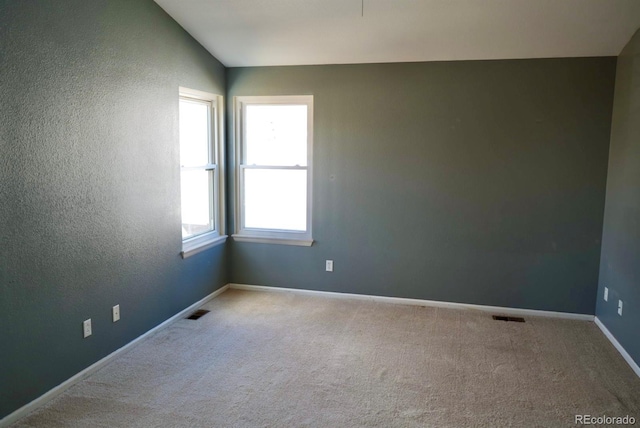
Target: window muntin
x: 274, y: 167
x: 200, y: 172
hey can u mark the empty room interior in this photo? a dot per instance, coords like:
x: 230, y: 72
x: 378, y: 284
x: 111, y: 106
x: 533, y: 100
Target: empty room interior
x: 325, y: 213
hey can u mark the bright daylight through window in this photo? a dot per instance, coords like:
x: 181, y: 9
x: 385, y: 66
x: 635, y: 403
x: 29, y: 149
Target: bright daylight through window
x: 200, y: 174
x: 275, y: 136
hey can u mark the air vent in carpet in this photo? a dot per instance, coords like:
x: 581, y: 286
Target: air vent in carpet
x: 197, y: 314
x: 503, y: 318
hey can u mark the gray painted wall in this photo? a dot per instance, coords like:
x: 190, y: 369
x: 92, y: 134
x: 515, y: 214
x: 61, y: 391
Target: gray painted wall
x: 90, y: 212
x: 620, y: 264
x: 478, y: 182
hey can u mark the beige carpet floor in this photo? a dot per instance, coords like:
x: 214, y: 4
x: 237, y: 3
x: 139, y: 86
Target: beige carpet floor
x: 278, y: 359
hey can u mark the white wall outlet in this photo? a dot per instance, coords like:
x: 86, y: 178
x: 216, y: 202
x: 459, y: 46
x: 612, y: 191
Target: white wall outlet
x: 86, y: 328
x: 606, y: 294
x: 329, y: 266
x: 620, y: 307
x: 115, y: 311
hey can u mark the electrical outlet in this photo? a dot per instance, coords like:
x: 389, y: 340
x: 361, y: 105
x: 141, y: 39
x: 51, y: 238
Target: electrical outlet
x: 620, y: 307
x: 115, y: 311
x: 86, y: 328
x: 606, y: 294
x: 329, y: 266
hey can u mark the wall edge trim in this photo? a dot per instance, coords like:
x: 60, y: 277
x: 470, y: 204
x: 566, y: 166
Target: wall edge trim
x: 54, y: 392
x: 420, y: 302
x: 627, y: 357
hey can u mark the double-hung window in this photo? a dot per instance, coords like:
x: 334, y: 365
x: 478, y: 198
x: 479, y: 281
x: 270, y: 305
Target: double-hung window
x: 201, y: 175
x: 274, y: 137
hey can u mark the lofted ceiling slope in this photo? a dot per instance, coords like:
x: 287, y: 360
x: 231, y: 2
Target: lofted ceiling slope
x: 296, y: 32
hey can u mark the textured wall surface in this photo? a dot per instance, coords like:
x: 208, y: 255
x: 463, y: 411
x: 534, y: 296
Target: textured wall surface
x: 90, y: 211
x: 620, y: 263
x: 479, y: 182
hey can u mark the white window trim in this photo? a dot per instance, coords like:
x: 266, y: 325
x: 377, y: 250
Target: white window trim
x: 266, y: 236
x: 195, y: 244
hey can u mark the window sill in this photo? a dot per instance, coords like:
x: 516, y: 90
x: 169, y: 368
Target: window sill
x: 201, y: 243
x: 279, y: 241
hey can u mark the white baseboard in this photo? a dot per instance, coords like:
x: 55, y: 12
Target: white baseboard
x: 46, y: 397
x: 420, y: 302
x: 618, y: 346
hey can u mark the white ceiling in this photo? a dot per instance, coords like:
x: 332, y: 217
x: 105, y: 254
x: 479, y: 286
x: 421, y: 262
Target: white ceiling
x: 294, y: 32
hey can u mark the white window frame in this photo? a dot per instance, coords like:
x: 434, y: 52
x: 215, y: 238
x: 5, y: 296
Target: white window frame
x: 195, y: 244
x: 271, y: 236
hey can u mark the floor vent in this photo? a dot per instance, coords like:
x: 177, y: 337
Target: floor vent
x: 503, y: 318
x: 197, y: 314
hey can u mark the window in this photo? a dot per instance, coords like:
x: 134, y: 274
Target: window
x: 274, y: 150
x: 201, y: 174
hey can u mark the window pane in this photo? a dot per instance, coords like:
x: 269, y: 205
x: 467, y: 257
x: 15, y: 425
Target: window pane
x: 275, y: 199
x: 276, y: 135
x: 196, y: 211
x: 194, y: 132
